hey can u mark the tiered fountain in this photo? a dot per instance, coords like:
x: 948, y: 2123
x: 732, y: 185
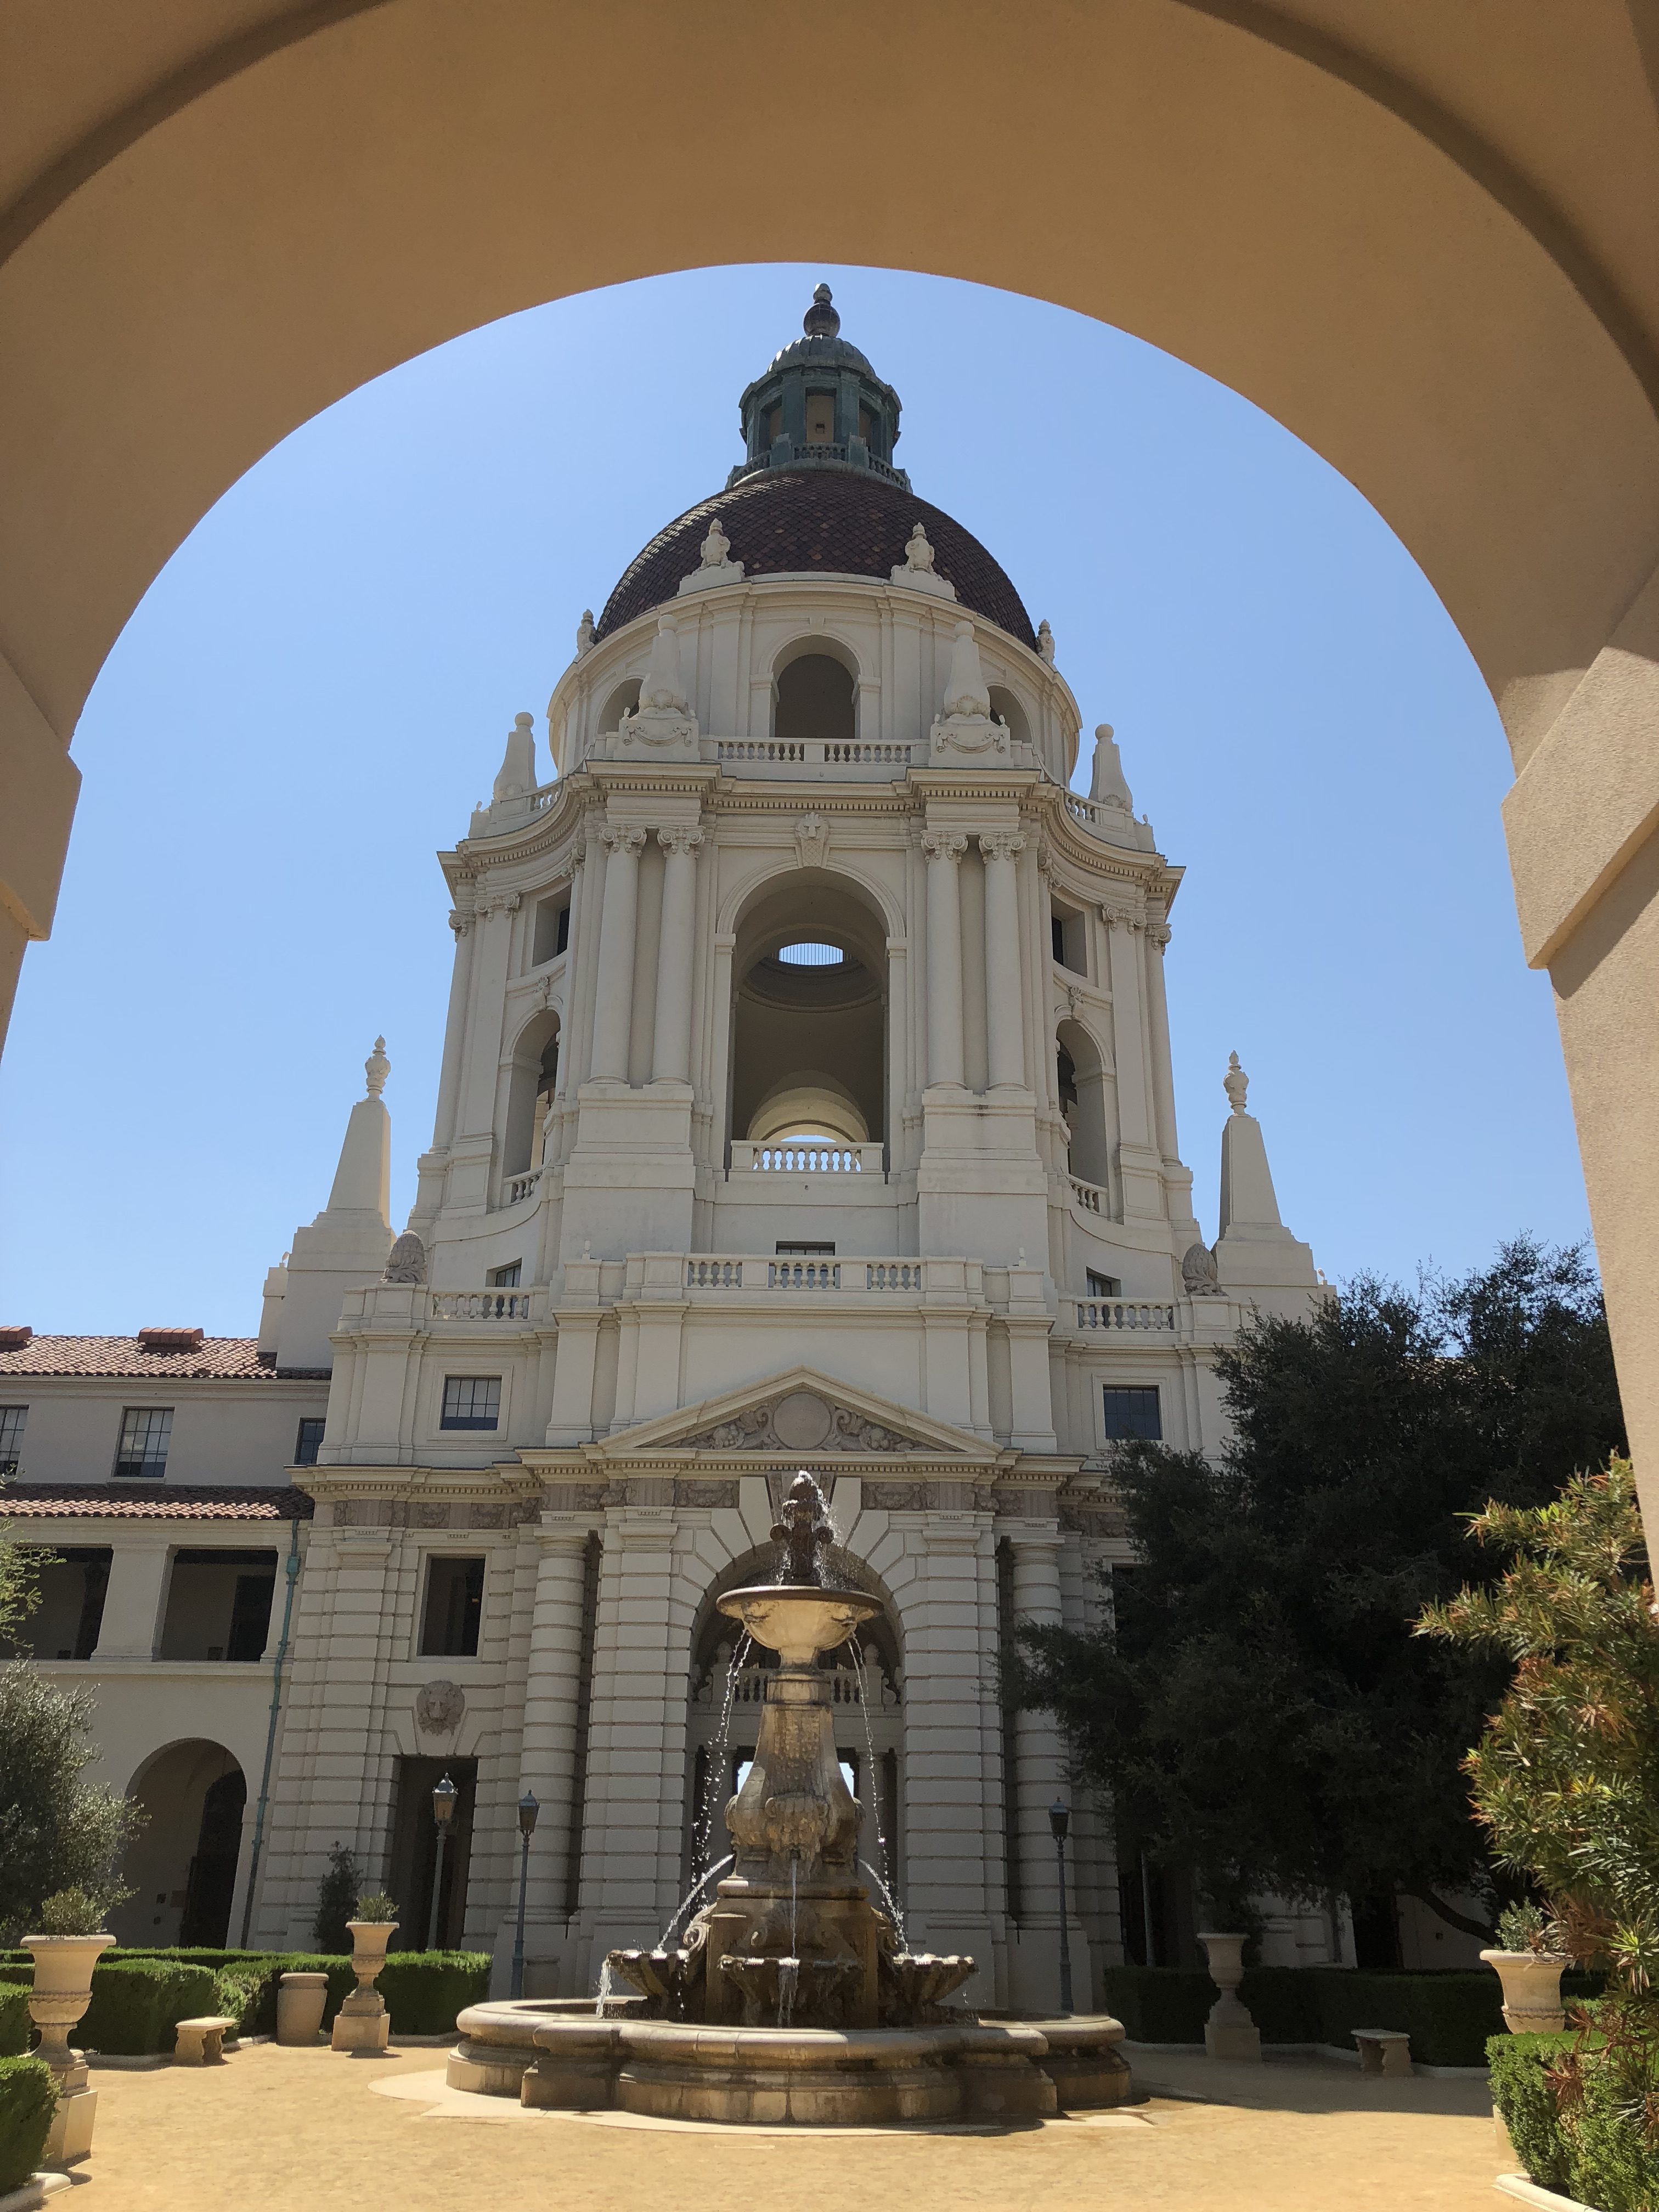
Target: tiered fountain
x: 791, y: 1997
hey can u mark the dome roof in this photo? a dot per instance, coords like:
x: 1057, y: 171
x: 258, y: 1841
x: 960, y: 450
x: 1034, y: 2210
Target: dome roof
x: 843, y: 522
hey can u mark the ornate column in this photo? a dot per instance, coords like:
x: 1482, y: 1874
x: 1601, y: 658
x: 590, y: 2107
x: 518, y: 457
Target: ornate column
x: 547, y: 1762
x: 1035, y: 1962
x: 670, y: 1049
x: 1004, y: 1010
x: 613, y: 1012
x: 943, y: 849
x: 449, y: 1082
x: 1157, y: 1042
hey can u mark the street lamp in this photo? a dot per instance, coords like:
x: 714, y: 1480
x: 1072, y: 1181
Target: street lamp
x: 1059, y: 1820
x: 528, y: 1809
x: 443, y: 1812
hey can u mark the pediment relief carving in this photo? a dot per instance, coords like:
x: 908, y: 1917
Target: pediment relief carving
x: 801, y: 1420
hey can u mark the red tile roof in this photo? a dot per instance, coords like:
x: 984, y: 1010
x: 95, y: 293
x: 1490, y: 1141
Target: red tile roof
x: 836, y: 521
x: 216, y: 1359
x: 152, y: 1501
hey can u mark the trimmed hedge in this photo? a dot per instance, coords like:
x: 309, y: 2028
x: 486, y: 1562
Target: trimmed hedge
x: 28, y: 2097
x: 15, y: 2026
x: 137, y: 2003
x: 1450, y: 2015
x: 425, y: 1989
x: 1598, y: 2154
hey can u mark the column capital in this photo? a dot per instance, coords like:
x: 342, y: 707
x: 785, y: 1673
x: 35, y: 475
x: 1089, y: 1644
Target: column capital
x: 944, y: 844
x: 680, y: 838
x: 1001, y: 844
x: 616, y: 838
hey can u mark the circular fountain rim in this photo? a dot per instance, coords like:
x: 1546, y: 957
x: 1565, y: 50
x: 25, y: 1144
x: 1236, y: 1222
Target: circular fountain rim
x: 772, y: 1592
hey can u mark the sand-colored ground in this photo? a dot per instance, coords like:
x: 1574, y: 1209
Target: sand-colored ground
x: 317, y: 2132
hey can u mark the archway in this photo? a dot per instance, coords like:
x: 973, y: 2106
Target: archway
x: 1417, y: 263
x: 809, y: 1015
x: 182, y: 1865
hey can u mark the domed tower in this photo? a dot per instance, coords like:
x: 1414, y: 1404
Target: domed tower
x: 805, y: 1098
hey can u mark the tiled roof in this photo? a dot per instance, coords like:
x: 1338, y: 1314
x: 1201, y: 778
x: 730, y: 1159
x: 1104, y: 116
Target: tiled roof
x: 152, y: 1501
x: 217, y: 1359
x: 840, y: 520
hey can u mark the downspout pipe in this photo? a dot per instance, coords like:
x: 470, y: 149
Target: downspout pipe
x: 293, y: 1573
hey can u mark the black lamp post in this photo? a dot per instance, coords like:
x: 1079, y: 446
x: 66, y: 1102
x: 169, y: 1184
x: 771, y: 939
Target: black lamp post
x: 1059, y: 1820
x: 443, y: 1812
x: 528, y: 1809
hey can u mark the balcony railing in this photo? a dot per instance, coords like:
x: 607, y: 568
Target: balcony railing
x: 1123, y: 1313
x: 786, y: 1273
x: 520, y: 1185
x: 858, y: 754
x: 481, y: 1305
x: 1090, y: 1196
x: 806, y: 1159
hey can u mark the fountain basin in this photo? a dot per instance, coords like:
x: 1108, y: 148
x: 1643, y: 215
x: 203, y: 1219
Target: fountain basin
x: 798, y: 1620
x: 558, y: 2055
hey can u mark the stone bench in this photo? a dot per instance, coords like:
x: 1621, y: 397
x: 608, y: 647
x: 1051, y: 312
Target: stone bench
x: 202, y: 2042
x: 1384, y: 2050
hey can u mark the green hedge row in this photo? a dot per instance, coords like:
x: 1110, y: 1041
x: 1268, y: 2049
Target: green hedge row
x: 1450, y: 2015
x: 1598, y: 2156
x: 139, y: 1997
x: 15, y: 2026
x: 28, y: 2094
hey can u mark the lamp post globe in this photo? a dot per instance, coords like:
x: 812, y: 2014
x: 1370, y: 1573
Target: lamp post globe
x: 443, y: 1813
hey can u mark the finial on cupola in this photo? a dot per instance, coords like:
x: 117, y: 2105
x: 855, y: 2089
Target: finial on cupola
x: 821, y: 320
x: 377, y: 1067
x: 1236, y: 1084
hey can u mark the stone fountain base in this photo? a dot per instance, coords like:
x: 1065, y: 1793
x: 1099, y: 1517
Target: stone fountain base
x: 556, y: 2055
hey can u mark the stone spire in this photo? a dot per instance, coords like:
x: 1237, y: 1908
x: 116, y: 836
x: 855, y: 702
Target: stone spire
x: 347, y: 1242
x: 1108, y: 783
x: 1254, y: 1246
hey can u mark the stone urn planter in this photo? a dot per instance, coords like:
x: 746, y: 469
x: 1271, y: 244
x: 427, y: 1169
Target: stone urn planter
x: 61, y: 1994
x: 1228, y: 2032
x: 300, y: 2000
x: 1532, y: 1990
x: 362, y: 2023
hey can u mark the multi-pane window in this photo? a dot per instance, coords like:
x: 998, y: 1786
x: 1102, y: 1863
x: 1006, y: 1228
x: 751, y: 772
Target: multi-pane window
x: 471, y: 1401
x: 508, y: 1277
x: 13, y: 1421
x: 1102, y: 1286
x: 454, y: 1607
x: 146, y: 1432
x: 1132, y: 1411
x: 306, y: 1443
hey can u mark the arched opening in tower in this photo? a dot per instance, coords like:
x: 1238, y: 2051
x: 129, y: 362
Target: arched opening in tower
x: 530, y: 1087
x: 809, y: 1016
x: 815, y: 701
x: 1088, y: 1103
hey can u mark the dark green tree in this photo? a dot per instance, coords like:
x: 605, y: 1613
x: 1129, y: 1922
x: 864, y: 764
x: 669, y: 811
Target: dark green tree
x: 1256, y: 1702
x: 336, y: 1901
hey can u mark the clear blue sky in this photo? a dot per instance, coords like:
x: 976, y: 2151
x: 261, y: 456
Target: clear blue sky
x: 316, y: 688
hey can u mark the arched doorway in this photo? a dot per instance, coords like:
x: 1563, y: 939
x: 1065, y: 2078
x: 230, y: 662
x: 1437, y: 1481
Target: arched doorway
x: 1419, y: 265
x: 182, y: 1865
x: 726, y: 1691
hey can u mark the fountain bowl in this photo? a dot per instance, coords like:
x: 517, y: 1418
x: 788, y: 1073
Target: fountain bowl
x: 798, y: 1620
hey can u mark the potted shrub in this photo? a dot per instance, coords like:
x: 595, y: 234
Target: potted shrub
x: 362, y: 2023
x: 1530, y: 1969
x: 71, y: 1939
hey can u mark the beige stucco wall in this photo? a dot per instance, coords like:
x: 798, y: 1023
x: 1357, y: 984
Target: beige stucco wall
x: 1427, y: 240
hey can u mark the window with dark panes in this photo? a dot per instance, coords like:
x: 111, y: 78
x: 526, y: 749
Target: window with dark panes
x: 14, y: 1419
x: 471, y: 1401
x: 146, y: 1432
x: 453, y: 1610
x: 309, y: 1440
x: 1132, y: 1411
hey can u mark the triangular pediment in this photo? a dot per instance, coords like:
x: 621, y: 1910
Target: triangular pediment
x: 800, y: 1414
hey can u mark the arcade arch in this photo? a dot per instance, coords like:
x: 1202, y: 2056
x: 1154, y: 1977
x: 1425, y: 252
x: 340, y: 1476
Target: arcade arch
x: 809, y: 1036
x: 531, y: 1077
x: 182, y: 1865
x: 1432, y: 270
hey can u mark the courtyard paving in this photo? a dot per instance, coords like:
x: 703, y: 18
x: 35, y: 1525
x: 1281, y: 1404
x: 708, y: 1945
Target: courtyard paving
x: 329, y: 2131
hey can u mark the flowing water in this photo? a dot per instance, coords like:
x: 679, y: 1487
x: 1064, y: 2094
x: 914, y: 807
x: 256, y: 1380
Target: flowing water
x: 886, y: 1877
x: 788, y: 1982
x: 714, y: 1781
x: 606, y: 1990
x: 895, y: 1910
x: 696, y: 1891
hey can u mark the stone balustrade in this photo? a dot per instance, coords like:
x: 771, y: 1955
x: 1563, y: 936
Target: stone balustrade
x: 805, y: 1158
x: 760, y: 1272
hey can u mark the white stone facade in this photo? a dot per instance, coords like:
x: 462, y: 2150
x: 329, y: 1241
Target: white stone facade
x: 701, y: 1215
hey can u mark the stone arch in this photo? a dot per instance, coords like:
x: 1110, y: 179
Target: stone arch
x: 167, y: 333
x: 1088, y: 1102
x: 1007, y: 707
x: 532, y: 1074
x: 816, y: 689
x: 624, y: 699
x: 183, y: 1864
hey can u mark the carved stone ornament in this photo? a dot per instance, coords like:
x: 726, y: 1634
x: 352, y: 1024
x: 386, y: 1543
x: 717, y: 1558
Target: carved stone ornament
x: 440, y: 1707
x: 1236, y: 1084
x: 944, y: 844
x: 802, y: 1421
x: 714, y: 567
x: 811, y: 840
x: 1198, y: 1272
x: 585, y: 632
x: 622, y: 842
x: 662, y: 726
x: 1001, y: 845
x: 916, y: 571
x: 680, y: 838
x: 406, y: 1262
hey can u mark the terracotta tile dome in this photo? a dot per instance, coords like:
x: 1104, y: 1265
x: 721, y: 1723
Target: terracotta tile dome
x: 843, y: 522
